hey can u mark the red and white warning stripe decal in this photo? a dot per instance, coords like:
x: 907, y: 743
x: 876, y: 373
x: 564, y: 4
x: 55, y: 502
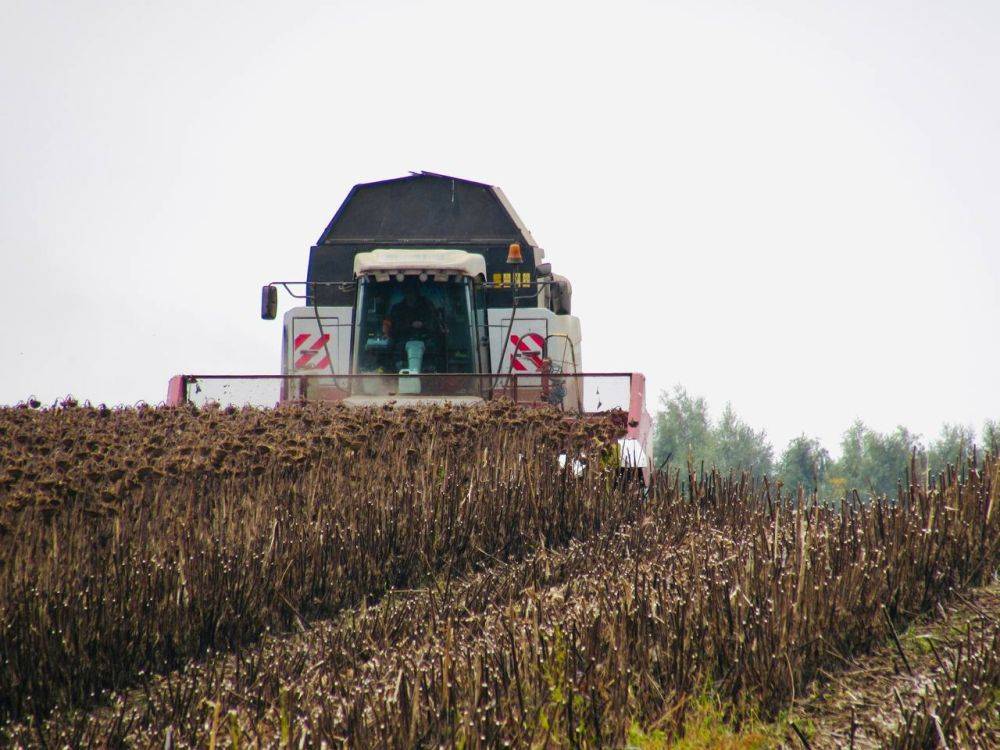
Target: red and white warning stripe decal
x: 305, y: 352
x: 527, y: 354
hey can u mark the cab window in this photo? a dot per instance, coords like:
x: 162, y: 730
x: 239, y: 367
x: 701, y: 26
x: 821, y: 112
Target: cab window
x: 393, y: 314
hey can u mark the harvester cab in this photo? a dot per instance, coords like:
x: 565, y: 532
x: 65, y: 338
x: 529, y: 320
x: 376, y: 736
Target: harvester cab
x: 430, y: 289
x: 416, y: 313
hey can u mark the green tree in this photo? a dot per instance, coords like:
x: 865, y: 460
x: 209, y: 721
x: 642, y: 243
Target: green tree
x: 953, y: 446
x: 991, y: 436
x: 738, y: 447
x: 872, y: 461
x: 683, y: 429
x: 685, y: 432
x: 804, y: 462
x: 887, y: 458
x: 849, y: 472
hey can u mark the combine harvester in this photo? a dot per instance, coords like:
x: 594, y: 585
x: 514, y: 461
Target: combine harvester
x: 430, y: 289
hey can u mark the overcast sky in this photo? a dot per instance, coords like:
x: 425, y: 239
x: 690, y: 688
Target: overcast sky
x: 791, y: 206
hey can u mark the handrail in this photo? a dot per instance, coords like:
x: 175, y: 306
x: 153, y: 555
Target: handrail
x: 572, y: 350
x: 421, y: 375
x: 572, y: 347
x: 522, y: 387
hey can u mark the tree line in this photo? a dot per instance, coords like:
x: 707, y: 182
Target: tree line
x: 869, y: 462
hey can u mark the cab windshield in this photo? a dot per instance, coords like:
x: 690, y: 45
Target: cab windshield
x: 414, y: 326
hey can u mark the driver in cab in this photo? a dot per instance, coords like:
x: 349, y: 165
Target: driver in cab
x: 413, y: 317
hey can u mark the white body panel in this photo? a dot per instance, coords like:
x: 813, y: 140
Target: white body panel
x: 535, y: 332
x: 314, y: 348
x: 633, y: 454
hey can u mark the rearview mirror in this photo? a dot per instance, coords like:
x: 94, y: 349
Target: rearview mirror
x: 269, y: 302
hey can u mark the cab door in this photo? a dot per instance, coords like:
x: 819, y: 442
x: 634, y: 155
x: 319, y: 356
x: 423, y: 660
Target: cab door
x: 482, y: 333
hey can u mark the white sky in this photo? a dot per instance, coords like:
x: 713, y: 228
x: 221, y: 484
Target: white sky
x: 791, y: 206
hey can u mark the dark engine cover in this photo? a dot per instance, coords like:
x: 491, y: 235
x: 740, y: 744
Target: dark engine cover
x: 422, y: 210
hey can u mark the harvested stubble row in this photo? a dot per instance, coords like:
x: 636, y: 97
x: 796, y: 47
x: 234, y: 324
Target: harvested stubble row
x: 166, y: 545
x: 961, y: 706
x: 719, y: 584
